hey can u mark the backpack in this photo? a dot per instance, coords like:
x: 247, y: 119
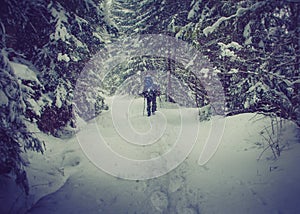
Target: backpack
x: 148, y: 83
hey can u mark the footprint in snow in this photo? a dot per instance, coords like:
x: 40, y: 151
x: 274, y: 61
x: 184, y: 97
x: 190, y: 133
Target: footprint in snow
x: 186, y: 210
x: 176, y: 182
x: 159, y: 200
x: 71, y: 161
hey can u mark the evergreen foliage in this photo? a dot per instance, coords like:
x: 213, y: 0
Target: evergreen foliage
x: 254, y: 47
x: 54, y: 39
x: 14, y: 135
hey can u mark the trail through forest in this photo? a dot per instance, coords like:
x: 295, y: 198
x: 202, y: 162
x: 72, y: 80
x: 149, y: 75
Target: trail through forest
x: 233, y: 181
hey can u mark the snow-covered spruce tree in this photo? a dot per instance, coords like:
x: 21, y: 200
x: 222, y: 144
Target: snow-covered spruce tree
x: 20, y: 34
x: 255, y: 48
x: 269, y: 61
x: 148, y: 17
x: 76, y: 32
x: 26, y: 34
x: 58, y: 37
x: 14, y: 135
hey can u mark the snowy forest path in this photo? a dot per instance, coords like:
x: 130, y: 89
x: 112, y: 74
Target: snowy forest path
x: 85, y: 183
x: 231, y: 182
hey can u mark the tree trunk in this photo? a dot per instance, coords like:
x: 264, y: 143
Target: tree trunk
x: 295, y: 28
x: 168, y: 91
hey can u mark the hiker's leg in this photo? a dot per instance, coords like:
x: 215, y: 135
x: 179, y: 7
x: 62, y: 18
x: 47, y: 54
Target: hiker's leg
x: 149, y: 105
x: 154, y: 103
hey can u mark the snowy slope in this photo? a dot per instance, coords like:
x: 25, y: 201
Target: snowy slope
x: 233, y: 181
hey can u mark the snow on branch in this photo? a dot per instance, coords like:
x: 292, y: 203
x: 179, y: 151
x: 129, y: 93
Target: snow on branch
x: 80, y: 21
x: 228, y: 50
x: 240, y: 11
x: 211, y: 29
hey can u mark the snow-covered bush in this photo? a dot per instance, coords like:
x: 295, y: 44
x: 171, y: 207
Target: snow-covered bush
x: 54, y: 118
x: 88, y: 99
x: 205, y: 113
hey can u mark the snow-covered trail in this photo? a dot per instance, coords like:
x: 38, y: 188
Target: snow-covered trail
x: 233, y: 181
x: 93, y: 190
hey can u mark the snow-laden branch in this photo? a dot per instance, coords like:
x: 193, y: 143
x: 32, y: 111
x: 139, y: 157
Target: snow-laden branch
x: 240, y: 12
x: 228, y: 49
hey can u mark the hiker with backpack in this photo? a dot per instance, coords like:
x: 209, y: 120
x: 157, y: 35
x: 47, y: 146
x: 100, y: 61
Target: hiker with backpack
x: 150, y: 92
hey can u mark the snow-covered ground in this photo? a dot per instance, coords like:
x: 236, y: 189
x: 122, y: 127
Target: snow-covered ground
x: 64, y: 180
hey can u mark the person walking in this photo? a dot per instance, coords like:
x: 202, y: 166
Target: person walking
x: 150, y: 92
